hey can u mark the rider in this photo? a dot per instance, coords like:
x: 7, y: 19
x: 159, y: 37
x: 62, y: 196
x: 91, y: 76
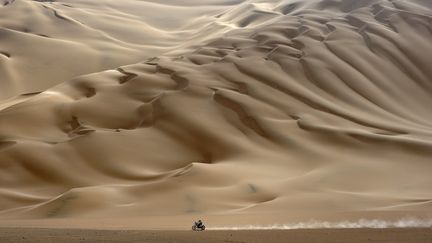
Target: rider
x: 199, y: 224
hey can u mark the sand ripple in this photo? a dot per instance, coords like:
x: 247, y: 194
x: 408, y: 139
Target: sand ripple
x: 286, y: 109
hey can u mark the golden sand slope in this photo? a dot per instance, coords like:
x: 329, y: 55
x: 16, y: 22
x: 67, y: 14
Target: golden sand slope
x: 304, y: 108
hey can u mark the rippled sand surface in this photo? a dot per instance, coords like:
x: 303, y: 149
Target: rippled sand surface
x: 245, y: 112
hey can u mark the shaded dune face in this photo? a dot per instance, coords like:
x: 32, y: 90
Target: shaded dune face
x: 303, y: 108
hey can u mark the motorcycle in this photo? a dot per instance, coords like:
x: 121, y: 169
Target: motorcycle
x: 197, y: 227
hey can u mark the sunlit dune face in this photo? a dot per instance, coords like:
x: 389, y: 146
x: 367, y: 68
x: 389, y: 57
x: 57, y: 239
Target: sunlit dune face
x: 243, y: 111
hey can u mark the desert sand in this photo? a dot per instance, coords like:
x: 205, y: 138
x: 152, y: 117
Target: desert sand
x: 151, y: 114
x: 255, y: 236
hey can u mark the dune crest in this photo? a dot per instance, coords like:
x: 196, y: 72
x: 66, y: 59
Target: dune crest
x: 288, y: 109
x: 45, y: 43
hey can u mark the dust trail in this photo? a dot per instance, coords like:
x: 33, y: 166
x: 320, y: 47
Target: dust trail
x: 361, y: 223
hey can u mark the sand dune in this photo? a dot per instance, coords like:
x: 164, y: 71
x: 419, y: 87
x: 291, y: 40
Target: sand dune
x: 45, y: 43
x: 270, y: 110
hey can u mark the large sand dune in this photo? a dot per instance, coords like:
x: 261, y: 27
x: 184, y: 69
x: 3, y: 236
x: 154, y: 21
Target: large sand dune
x: 260, y: 111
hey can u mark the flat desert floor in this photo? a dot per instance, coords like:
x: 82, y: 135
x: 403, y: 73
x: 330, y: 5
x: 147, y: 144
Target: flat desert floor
x: 34, y: 235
